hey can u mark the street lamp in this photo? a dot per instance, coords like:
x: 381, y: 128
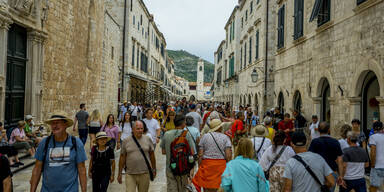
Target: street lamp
x: 254, y: 75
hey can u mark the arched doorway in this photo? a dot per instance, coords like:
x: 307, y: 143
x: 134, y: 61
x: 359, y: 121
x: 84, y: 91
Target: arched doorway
x: 192, y: 98
x: 256, y: 103
x: 370, y: 105
x: 280, y: 102
x: 250, y: 100
x: 241, y: 100
x: 297, y: 103
x: 325, y: 93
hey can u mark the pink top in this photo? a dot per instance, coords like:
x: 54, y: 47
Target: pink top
x: 16, y: 132
x: 112, y: 132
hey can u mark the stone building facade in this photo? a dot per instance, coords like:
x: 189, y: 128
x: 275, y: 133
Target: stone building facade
x: 328, y: 60
x: 52, y: 58
x: 244, y: 50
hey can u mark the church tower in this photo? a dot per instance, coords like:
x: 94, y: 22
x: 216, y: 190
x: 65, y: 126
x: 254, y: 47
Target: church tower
x: 200, y: 79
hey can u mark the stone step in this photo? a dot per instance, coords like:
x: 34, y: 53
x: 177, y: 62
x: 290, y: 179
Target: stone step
x: 27, y: 160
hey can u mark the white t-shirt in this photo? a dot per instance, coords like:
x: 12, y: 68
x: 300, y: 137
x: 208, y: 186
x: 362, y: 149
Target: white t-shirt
x: 314, y: 134
x: 153, y: 126
x: 268, y: 156
x: 378, y: 140
x: 134, y: 109
x: 126, y: 130
x: 256, y: 142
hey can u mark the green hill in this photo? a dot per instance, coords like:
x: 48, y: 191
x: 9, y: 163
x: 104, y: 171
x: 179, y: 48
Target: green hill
x: 186, y: 66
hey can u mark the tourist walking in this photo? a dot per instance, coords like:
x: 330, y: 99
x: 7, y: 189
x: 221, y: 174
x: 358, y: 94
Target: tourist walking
x: 193, y: 131
x: 102, y: 165
x: 306, y: 171
x: 82, y: 118
x: 20, y: 141
x: 300, y: 121
x: 268, y: 124
x: 153, y: 126
x: 125, y: 127
x: 95, y: 123
x: 287, y: 126
x: 376, y: 143
x: 238, y: 130
x: 314, y: 127
x: 215, y: 149
x: 112, y: 131
x: 135, y: 111
x: 259, y: 141
x: 123, y: 109
x: 329, y: 148
x: 356, y: 128
x: 243, y: 173
x: 273, y: 161
x: 355, y: 159
x: 169, y: 123
x: 198, y: 121
x: 343, y: 134
x: 178, y: 165
x: 137, y: 158
x: 60, y: 158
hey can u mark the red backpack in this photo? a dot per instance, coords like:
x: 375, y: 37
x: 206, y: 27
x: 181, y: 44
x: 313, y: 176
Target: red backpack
x: 181, y: 160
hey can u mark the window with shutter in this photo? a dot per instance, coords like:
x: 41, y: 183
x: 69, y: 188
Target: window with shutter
x: 298, y: 19
x: 257, y: 45
x: 360, y: 2
x: 280, y: 28
x: 251, y: 7
x: 245, y: 54
x: 133, y: 55
x: 324, y: 13
x: 250, y: 50
x: 241, y: 58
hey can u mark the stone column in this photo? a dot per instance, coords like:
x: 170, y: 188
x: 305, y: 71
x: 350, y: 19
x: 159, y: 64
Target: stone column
x: 317, y: 106
x: 4, y: 27
x: 34, y: 74
x: 355, y: 108
x: 380, y: 99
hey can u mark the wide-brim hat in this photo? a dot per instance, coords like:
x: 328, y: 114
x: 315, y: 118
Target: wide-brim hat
x: 102, y: 134
x: 259, y: 131
x: 60, y: 115
x: 214, y: 125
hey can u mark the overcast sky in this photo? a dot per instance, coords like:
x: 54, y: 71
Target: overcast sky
x: 196, y: 26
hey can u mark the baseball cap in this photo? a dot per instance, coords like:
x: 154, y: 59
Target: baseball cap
x: 299, y: 138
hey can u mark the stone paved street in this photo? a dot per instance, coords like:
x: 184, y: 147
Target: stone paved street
x: 21, y: 179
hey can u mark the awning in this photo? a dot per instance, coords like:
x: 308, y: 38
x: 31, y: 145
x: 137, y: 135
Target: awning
x: 316, y: 10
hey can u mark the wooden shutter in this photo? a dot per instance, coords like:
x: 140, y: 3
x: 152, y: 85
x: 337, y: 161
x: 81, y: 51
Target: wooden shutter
x: 250, y: 50
x: 298, y: 19
x: 281, y: 17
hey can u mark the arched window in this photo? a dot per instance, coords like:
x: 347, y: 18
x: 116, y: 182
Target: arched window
x: 201, y: 68
x: 370, y: 105
x: 297, y: 103
x: 325, y: 108
x: 280, y: 102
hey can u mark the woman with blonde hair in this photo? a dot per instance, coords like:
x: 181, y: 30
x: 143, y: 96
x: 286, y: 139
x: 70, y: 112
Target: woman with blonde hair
x: 243, y: 173
x: 95, y: 123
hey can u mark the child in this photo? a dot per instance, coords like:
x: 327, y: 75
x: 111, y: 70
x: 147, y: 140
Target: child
x: 102, y: 164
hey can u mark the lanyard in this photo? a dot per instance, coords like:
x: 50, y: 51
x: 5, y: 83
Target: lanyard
x: 54, y: 146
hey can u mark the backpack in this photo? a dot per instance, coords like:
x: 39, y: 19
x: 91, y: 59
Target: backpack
x: 74, y: 146
x: 181, y: 159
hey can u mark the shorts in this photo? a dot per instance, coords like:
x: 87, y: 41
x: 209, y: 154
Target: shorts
x: 377, y: 177
x: 93, y: 130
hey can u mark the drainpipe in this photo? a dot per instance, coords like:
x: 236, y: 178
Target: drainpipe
x: 266, y: 56
x: 123, y: 50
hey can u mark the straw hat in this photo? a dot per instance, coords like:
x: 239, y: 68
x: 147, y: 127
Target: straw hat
x: 214, y: 125
x: 59, y: 115
x: 259, y: 131
x: 102, y: 134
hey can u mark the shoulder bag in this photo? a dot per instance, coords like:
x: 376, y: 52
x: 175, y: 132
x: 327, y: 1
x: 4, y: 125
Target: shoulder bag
x: 151, y: 176
x: 324, y: 188
x: 218, y: 146
x: 266, y: 173
x: 254, y: 143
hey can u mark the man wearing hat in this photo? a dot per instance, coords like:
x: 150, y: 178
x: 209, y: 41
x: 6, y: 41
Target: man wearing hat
x: 28, y: 129
x: 296, y: 176
x: 60, y: 158
x: 259, y: 140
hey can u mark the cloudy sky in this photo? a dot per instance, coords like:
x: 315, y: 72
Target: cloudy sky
x: 196, y: 26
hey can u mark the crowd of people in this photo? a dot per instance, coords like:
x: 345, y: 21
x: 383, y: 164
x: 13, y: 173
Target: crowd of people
x: 208, y: 147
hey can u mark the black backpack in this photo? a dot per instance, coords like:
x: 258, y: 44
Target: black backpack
x: 74, y: 146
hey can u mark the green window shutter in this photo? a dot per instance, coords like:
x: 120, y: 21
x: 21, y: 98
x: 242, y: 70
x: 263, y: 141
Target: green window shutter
x: 280, y: 28
x: 250, y: 50
x: 241, y: 58
x: 360, y: 2
x: 257, y: 45
x: 245, y: 55
x: 298, y: 18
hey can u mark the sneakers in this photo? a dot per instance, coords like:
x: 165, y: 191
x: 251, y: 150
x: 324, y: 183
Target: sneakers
x: 14, y: 165
x: 20, y: 163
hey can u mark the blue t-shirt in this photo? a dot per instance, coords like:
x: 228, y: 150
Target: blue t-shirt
x: 60, y: 168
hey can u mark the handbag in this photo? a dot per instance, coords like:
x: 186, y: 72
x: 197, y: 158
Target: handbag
x: 266, y: 173
x: 323, y: 188
x: 151, y: 176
